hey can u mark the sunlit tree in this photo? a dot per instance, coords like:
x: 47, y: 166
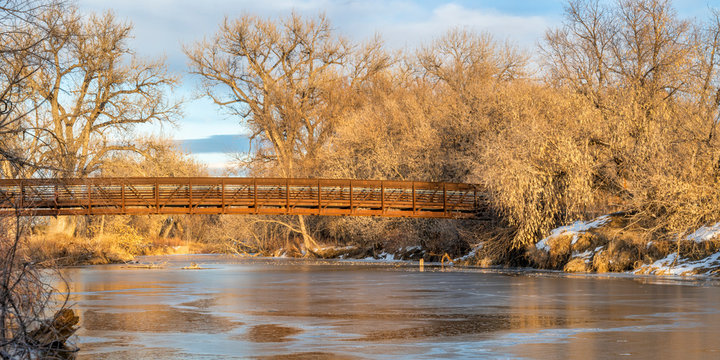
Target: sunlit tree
x: 288, y: 81
x: 92, y: 94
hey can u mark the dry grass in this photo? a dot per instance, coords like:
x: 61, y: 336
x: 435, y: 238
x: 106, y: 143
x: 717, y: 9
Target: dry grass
x: 64, y: 250
x: 577, y: 265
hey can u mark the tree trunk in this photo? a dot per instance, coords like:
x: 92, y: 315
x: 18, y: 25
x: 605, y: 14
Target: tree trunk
x: 102, y: 225
x: 64, y: 225
x: 166, y: 227
x: 308, y: 241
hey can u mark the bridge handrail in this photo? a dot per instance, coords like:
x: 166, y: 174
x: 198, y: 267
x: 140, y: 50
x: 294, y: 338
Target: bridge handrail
x: 208, y: 180
x: 221, y: 195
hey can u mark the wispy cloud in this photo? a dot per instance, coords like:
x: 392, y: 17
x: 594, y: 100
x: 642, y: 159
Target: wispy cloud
x: 216, y: 144
x: 162, y: 27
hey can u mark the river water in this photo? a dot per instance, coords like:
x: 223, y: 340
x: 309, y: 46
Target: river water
x: 294, y: 309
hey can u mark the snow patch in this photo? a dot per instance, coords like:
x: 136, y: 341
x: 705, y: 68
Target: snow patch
x: 575, y: 230
x: 705, y: 233
x: 471, y: 254
x: 584, y: 255
x: 672, y: 265
x: 382, y: 257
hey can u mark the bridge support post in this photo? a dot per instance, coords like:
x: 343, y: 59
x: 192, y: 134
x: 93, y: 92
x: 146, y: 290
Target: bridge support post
x: 382, y: 196
x: 414, y: 208
x: 89, y: 196
x: 255, y: 201
x: 157, y: 197
x: 445, y: 199
x: 222, y: 196
x: 475, y: 199
x: 287, y: 196
x: 319, y: 198
x: 122, y: 197
x: 351, y: 198
x: 22, y: 195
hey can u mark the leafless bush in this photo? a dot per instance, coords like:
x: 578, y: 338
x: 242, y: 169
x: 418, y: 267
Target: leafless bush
x: 538, y: 165
x: 34, y: 318
x: 27, y: 298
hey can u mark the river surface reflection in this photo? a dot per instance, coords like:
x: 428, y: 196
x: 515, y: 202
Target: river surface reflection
x: 292, y: 309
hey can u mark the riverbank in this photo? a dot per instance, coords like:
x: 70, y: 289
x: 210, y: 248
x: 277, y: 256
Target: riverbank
x: 63, y: 250
x: 605, y: 244
x: 612, y: 243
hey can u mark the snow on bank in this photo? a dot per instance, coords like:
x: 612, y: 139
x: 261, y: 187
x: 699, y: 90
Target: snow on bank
x: 575, y: 230
x: 677, y: 266
x: 671, y: 265
x: 586, y: 255
x: 471, y: 254
x: 705, y: 233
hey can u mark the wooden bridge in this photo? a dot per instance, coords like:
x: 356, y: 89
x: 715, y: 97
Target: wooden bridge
x: 234, y: 195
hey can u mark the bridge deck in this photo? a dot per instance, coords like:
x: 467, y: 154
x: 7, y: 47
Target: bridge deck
x: 221, y: 195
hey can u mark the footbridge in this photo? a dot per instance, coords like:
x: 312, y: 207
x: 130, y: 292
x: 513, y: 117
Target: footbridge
x: 238, y: 195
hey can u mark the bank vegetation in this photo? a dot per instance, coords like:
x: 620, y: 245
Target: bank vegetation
x: 614, y: 113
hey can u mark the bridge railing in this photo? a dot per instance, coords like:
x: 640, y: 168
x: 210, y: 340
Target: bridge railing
x: 220, y: 195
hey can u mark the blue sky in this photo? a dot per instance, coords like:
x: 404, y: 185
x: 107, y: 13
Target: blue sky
x: 163, y: 26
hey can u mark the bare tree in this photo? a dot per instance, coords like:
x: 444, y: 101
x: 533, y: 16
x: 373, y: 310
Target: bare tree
x: 391, y: 135
x: 288, y: 82
x: 653, y: 77
x: 94, y: 92
x: 27, y: 300
x: 464, y: 70
x: 639, y: 47
x: 21, y: 35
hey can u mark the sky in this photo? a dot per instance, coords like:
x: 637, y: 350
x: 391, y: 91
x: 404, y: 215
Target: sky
x: 162, y: 27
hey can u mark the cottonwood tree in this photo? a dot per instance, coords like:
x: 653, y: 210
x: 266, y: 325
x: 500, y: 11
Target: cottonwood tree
x: 391, y: 135
x: 636, y: 56
x: 638, y: 45
x: 26, y: 297
x: 427, y: 119
x: 288, y: 81
x: 90, y: 95
x: 93, y: 92
x: 653, y: 76
x: 464, y: 69
x: 21, y: 35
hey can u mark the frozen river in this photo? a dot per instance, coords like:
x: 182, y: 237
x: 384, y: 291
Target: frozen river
x: 294, y: 309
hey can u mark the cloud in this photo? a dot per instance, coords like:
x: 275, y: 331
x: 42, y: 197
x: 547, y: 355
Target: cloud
x: 521, y: 30
x: 218, y: 164
x: 220, y: 144
x: 162, y: 27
